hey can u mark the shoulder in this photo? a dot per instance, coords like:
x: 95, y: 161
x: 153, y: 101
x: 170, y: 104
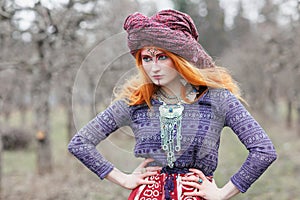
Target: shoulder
x: 123, y: 105
x: 217, y: 94
x: 220, y: 99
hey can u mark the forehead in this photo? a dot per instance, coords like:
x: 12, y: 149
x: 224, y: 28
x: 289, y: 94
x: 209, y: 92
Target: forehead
x: 151, y: 51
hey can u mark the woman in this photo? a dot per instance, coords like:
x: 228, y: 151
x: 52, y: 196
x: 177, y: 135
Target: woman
x: 176, y: 106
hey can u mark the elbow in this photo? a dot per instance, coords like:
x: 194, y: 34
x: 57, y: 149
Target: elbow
x: 267, y: 154
x: 266, y: 158
x: 270, y: 157
x: 71, y: 148
x: 273, y: 156
x: 73, y: 145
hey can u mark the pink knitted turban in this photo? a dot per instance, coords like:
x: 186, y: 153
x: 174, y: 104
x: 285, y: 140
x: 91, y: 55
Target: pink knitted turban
x: 168, y: 29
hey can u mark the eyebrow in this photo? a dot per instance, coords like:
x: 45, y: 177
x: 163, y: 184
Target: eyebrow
x: 148, y: 54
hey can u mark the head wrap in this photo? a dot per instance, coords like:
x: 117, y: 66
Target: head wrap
x: 169, y: 29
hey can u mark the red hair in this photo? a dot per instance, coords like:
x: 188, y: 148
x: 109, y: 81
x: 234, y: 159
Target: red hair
x: 140, y: 89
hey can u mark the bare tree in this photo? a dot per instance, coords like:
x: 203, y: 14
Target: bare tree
x: 5, y: 31
x: 268, y: 51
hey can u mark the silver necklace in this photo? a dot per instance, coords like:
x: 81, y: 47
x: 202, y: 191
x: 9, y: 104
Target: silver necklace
x: 170, y: 126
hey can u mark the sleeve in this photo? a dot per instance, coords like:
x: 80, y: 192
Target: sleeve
x: 261, y: 150
x: 83, y: 144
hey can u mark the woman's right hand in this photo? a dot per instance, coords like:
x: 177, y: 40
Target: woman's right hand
x: 140, y: 175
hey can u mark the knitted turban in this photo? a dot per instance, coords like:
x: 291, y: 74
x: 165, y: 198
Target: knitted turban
x: 168, y: 29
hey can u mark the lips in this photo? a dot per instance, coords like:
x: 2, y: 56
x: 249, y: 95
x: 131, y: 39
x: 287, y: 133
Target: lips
x: 157, y: 76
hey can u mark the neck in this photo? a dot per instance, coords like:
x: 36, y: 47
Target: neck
x: 170, y: 95
x: 173, y: 89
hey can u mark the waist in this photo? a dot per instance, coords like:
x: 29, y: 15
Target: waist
x: 167, y: 186
x: 168, y: 170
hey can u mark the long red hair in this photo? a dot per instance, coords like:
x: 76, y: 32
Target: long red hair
x: 140, y: 89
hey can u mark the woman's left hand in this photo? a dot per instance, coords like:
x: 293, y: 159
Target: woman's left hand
x: 204, y: 187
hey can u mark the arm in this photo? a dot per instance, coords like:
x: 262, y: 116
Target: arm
x: 138, y: 177
x: 83, y: 144
x: 251, y: 134
x: 228, y: 191
x: 261, y: 150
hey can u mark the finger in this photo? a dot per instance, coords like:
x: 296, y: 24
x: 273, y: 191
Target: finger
x: 146, y: 182
x: 146, y: 162
x: 192, y: 184
x: 147, y: 174
x: 199, y: 193
x: 190, y: 178
x: 199, y: 173
x: 149, y: 169
x: 141, y: 167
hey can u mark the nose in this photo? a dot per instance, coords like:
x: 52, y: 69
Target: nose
x: 155, y: 67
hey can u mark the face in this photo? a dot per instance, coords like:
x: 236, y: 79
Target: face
x: 159, y: 67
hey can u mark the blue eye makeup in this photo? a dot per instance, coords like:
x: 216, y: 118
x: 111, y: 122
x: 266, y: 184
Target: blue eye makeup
x: 158, y: 57
x: 162, y: 57
x: 147, y: 58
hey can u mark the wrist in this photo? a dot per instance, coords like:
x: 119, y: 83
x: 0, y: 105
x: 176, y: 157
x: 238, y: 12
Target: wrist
x: 123, y: 181
x: 228, y: 191
x: 222, y: 195
x: 117, y: 177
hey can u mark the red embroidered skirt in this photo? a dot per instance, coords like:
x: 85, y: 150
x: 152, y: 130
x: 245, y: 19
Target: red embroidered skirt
x: 165, y: 187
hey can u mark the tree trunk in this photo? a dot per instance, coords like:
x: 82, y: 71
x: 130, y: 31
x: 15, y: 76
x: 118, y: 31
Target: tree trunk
x: 273, y: 97
x: 42, y: 87
x: 42, y: 111
x: 91, y: 100
x: 71, y: 129
x: 298, y: 118
x: 41, y: 108
x: 1, y: 145
x: 23, y: 113
x: 7, y: 117
x: 289, y: 114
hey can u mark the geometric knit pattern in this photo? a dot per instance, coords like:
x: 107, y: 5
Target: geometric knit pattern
x: 202, y: 124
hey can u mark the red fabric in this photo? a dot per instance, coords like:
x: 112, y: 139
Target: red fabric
x: 157, y: 191
x: 168, y: 29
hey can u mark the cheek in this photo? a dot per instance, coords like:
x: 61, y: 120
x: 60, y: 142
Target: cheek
x: 169, y: 65
x: 170, y: 70
x: 172, y: 73
x: 147, y: 69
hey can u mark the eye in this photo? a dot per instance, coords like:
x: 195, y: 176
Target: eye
x: 147, y: 58
x: 162, y: 57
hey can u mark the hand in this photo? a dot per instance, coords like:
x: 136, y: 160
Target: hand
x: 140, y: 175
x: 205, y: 188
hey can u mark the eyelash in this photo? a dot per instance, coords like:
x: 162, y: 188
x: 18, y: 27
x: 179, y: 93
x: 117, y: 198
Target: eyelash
x: 148, y: 58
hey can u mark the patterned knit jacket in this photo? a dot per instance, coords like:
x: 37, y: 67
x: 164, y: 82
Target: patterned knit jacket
x: 202, y: 124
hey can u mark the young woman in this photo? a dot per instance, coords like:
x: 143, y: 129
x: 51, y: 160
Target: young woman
x: 176, y: 106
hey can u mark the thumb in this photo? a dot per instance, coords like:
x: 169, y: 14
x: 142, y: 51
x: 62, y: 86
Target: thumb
x: 145, y: 162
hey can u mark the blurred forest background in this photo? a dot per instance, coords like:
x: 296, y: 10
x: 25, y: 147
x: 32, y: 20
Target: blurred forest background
x: 61, y: 59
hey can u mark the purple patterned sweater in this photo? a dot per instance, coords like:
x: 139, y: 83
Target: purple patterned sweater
x: 202, y: 124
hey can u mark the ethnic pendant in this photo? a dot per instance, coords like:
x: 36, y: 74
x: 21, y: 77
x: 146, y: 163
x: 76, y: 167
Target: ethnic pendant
x: 170, y: 126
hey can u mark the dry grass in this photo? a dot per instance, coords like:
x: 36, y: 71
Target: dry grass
x: 70, y: 180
